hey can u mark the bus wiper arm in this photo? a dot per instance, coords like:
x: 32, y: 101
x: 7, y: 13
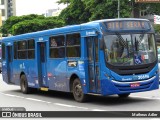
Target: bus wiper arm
x: 121, y: 39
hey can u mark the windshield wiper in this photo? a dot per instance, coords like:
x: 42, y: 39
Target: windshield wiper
x: 136, y: 44
x: 121, y: 40
x: 123, y: 43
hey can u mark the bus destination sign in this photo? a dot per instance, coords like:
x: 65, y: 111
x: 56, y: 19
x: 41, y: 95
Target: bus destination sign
x: 128, y: 25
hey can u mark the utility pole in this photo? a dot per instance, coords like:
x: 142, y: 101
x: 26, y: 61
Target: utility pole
x: 118, y: 9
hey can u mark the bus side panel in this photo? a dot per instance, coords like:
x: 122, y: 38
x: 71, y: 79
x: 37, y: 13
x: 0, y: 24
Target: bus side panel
x: 28, y: 68
x: 81, y: 75
x: 81, y: 68
x: 57, y: 75
x: 32, y: 76
x: 16, y: 72
x: 4, y: 73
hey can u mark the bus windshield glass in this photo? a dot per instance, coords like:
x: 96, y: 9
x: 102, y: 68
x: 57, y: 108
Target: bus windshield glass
x: 129, y: 49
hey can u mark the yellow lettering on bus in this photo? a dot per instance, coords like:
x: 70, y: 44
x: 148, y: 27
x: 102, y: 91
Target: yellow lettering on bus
x: 120, y: 24
x: 128, y: 25
x: 131, y: 24
x: 139, y: 24
x: 142, y: 24
x: 135, y: 24
x: 117, y: 25
x: 109, y: 25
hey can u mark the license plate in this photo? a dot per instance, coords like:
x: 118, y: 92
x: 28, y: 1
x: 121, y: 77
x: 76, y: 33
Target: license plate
x: 132, y: 85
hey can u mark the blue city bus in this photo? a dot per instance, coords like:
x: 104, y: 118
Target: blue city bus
x: 103, y: 57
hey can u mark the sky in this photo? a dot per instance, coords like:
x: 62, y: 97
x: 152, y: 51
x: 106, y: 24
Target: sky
x: 24, y: 7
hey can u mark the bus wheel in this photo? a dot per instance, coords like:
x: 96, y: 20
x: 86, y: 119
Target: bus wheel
x: 24, y: 85
x: 78, y: 94
x: 124, y: 95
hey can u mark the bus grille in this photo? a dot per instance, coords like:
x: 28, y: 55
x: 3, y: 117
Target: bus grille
x: 130, y: 70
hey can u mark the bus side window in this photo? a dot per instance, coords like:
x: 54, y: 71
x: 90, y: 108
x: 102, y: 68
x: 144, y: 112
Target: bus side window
x: 57, y: 46
x: 31, y: 49
x: 22, y: 49
x: 73, y: 45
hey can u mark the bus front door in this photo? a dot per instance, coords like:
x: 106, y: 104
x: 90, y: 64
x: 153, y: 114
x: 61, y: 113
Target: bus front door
x: 93, y: 66
x: 42, y: 58
x: 9, y: 59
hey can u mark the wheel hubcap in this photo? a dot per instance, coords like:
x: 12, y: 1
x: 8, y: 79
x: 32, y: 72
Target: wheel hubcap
x: 78, y: 90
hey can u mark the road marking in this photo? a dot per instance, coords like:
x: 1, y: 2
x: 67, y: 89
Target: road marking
x: 72, y: 106
x: 65, y: 105
x: 145, y: 97
x: 154, y: 119
x: 12, y: 95
x: 98, y: 110
x: 82, y: 108
x: 33, y: 99
x: 24, y: 98
x: 37, y: 100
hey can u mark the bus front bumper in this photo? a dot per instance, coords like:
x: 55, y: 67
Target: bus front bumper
x: 110, y: 87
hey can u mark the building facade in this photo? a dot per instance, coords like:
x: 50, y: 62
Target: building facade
x: 2, y: 12
x: 7, y: 9
x: 52, y: 12
x: 10, y: 8
x: 143, y: 9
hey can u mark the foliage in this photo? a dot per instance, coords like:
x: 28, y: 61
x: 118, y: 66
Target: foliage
x: 80, y: 11
x: 73, y: 14
x: 64, y: 1
x: 157, y: 28
x: 35, y: 25
x: 7, y: 27
x: 150, y: 8
x: 105, y: 9
x: 29, y: 23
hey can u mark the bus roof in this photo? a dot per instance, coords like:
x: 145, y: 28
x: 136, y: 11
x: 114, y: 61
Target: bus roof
x: 65, y: 29
x: 119, y: 19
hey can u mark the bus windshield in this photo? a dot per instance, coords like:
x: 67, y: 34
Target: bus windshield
x: 129, y: 49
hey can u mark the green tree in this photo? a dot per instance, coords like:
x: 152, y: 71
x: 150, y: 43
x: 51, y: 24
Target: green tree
x: 29, y: 23
x: 150, y: 8
x: 79, y: 11
x: 7, y: 27
x: 106, y: 9
x: 73, y: 14
x: 64, y: 1
x: 34, y: 25
x: 157, y: 28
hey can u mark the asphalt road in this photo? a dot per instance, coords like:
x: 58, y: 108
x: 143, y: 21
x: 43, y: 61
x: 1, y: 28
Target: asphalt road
x: 11, y: 96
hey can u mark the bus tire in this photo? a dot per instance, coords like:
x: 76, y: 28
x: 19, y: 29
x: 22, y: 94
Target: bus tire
x: 124, y: 95
x: 78, y: 94
x: 24, y: 85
